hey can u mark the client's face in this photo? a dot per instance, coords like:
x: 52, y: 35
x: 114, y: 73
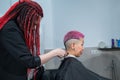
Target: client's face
x: 79, y: 47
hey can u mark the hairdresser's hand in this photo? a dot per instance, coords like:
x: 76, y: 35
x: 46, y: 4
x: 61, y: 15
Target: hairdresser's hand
x: 53, y: 53
x: 59, y: 52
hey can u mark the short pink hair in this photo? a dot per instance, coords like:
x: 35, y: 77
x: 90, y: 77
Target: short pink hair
x: 73, y: 35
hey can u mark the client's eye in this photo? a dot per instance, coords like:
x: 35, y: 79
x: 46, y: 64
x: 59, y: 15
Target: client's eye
x: 82, y: 44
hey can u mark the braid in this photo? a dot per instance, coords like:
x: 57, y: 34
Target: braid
x: 26, y: 13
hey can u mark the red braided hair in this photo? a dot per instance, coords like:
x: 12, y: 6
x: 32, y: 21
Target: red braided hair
x: 26, y: 12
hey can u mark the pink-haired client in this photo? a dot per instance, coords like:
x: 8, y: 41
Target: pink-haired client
x: 71, y: 68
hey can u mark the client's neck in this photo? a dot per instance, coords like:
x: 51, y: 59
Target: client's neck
x: 70, y: 52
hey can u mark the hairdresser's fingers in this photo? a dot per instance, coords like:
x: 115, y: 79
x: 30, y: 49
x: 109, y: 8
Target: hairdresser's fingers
x: 61, y: 52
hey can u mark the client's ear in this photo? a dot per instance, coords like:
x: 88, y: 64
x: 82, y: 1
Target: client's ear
x: 73, y: 46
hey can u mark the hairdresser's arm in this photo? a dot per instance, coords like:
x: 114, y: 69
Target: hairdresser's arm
x: 56, y: 52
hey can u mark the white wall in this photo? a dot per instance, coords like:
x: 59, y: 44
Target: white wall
x: 4, y: 5
x: 99, y: 20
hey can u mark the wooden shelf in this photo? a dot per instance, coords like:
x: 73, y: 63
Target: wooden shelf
x: 109, y: 49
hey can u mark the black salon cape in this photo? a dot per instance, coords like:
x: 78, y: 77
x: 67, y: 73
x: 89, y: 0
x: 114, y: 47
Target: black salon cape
x: 72, y: 69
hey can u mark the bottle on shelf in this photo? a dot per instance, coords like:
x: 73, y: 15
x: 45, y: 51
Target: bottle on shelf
x: 112, y: 43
